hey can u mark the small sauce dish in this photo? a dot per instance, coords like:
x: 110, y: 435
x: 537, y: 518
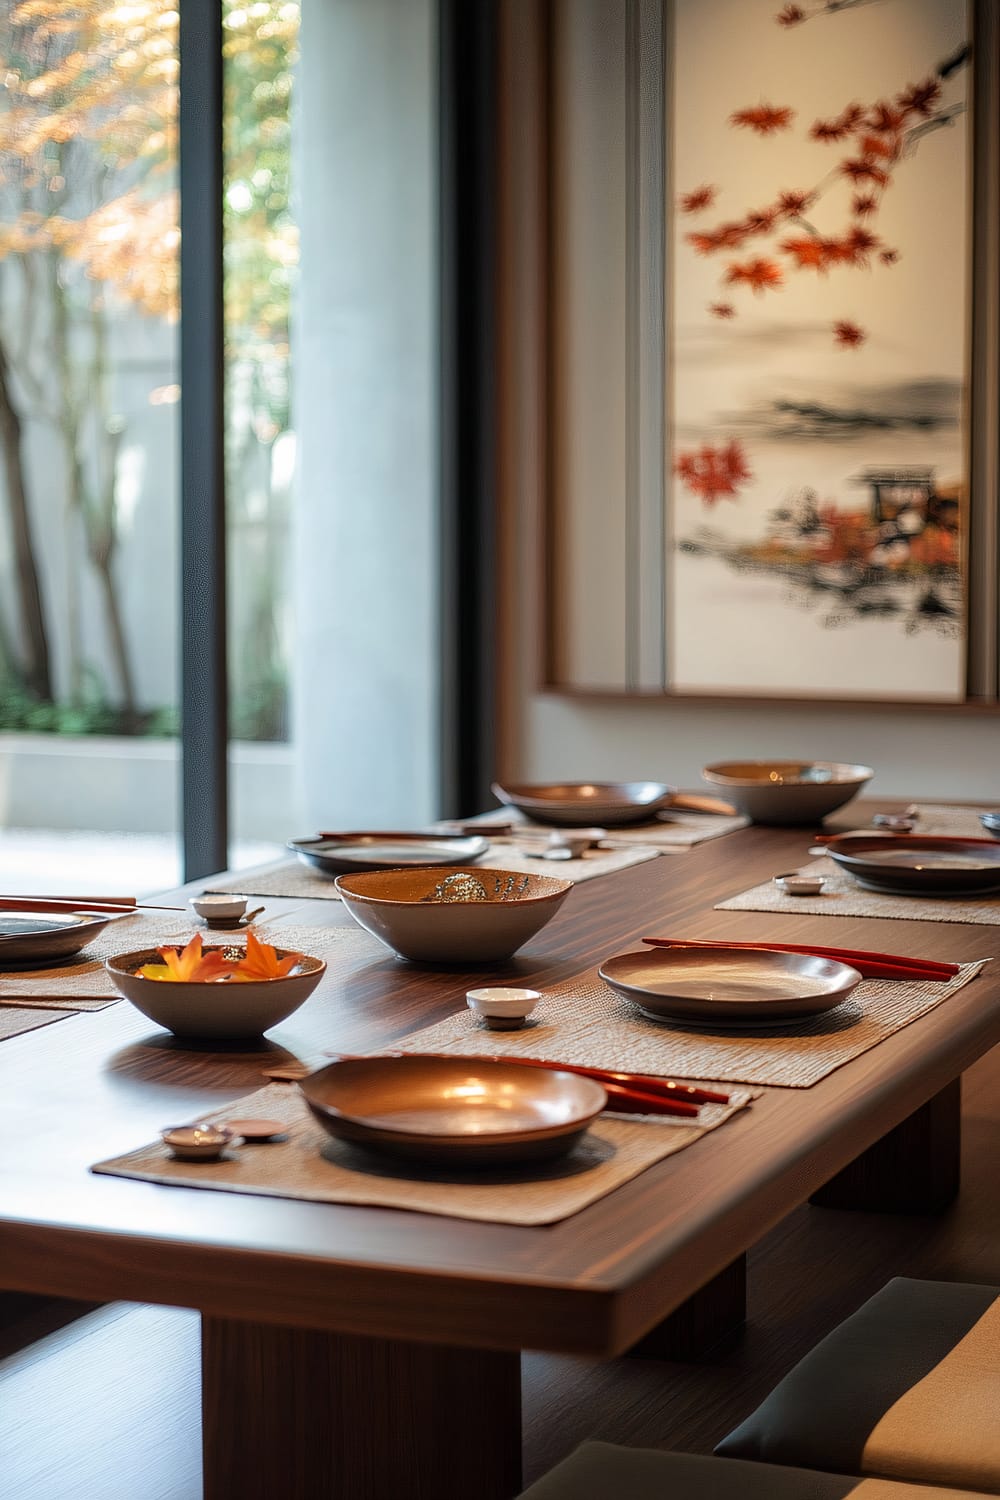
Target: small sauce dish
x: 196, y: 1142
x: 794, y: 884
x: 219, y: 907
x: 894, y: 823
x: 503, y: 1008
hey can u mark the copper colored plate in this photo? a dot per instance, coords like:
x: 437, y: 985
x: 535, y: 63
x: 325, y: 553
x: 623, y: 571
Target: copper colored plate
x: 911, y: 865
x: 579, y: 803
x: 467, y: 1111
x: 731, y: 986
x: 33, y: 939
x: 335, y: 854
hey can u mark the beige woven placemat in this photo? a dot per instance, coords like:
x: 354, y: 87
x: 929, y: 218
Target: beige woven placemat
x: 86, y: 986
x: 671, y: 833
x: 585, y: 1022
x: 15, y: 1020
x: 956, y: 822
x: 311, y: 1166
x: 841, y: 896
x: 291, y: 878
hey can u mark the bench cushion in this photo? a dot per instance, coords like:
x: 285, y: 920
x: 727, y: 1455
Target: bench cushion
x: 909, y: 1387
x: 601, y: 1471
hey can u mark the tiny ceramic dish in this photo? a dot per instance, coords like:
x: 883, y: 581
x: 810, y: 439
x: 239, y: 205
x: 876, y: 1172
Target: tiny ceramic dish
x: 196, y: 1142
x: 502, y: 1007
x: 991, y: 822
x: 894, y: 823
x: 794, y: 884
x: 218, y: 907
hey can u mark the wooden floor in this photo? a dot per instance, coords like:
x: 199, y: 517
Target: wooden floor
x: 106, y: 1407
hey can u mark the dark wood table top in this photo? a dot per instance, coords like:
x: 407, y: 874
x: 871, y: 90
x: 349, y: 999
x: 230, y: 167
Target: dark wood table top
x: 96, y: 1085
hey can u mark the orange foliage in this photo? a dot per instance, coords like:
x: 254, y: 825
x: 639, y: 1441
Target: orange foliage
x: 694, y: 202
x: 763, y: 118
x: 759, y: 275
x: 712, y: 473
x: 848, y: 335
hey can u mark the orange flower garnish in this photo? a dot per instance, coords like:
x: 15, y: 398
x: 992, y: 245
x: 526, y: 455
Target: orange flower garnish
x: 188, y: 964
x: 262, y: 962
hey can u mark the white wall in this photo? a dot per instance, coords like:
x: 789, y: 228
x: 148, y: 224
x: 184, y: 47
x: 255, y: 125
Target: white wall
x: 365, y: 398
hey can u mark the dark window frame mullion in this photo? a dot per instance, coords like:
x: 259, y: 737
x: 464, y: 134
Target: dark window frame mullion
x: 204, y: 674
x: 467, y: 288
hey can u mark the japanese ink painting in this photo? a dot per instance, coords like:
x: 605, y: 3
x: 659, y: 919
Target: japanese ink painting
x: 820, y: 325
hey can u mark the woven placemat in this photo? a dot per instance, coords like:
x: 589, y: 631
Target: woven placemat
x: 841, y: 896
x: 670, y: 833
x: 585, y: 1022
x: 14, y: 1020
x: 312, y: 1166
x: 85, y: 985
x: 292, y: 878
x: 956, y: 822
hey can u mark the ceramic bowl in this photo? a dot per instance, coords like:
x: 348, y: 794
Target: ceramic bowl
x: 453, y: 916
x: 787, y: 791
x: 219, y: 1009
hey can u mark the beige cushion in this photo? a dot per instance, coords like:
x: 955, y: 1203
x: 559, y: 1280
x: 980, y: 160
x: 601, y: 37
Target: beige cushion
x: 908, y: 1387
x: 599, y: 1471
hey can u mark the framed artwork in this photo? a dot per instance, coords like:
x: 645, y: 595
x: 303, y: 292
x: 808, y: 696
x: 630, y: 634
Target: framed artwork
x: 773, y: 257
x: 819, y: 373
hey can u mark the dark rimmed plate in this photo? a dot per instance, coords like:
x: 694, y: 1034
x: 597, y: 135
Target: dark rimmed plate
x: 729, y: 986
x: 462, y: 1111
x: 912, y: 864
x: 339, y: 854
x: 32, y: 939
x: 578, y: 804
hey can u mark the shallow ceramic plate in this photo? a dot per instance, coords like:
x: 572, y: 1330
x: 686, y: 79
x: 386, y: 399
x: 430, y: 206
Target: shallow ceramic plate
x: 31, y: 939
x: 729, y: 986
x: 339, y: 853
x: 460, y: 1110
x: 576, y: 804
x: 908, y: 864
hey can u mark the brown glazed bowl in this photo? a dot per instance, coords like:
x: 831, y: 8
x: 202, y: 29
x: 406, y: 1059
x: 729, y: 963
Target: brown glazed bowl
x: 787, y: 791
x: 459, y: 915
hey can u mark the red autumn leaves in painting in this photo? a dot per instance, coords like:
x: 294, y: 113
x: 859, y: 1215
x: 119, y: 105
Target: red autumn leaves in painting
x: 713, y: 472
x: 875, y: 136
x: 767, y: 245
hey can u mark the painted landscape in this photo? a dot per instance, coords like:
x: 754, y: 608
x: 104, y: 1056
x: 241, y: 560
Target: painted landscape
x: 819, y: 370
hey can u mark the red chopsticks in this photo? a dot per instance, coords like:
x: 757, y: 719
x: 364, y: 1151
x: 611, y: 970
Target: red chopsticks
x: 119, y: 904
x: 869, y: 965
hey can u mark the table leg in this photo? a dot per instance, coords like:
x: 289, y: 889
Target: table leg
x: 915, y: 1169
x: 305, y: 1414
x: 706, y: 1324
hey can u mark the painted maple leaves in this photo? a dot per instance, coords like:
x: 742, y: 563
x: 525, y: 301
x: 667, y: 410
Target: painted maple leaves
x: 874, y: 138
x: 713, y: 472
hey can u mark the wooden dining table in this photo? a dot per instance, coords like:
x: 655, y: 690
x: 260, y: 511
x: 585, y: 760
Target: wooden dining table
x: 365, y: 1352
